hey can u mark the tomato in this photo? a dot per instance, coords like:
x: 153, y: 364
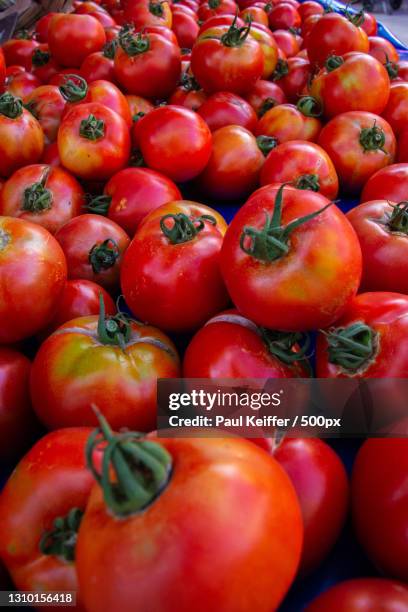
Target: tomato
x: 111, y: 362
x: 292, y: 76
x: 403, y: 146
x: 268, y: 46
x: 289, y: 122
x: 21, y: 136
x: 369, y: 24
x: 231, y: 346
x: 94, y: 248
x: 2, y: 70
x: 61, y: 76
x: 396, y: 111
x: 189, y: 94
x: 44, y: 67
x: 358, y: 144
x: 32, y: 275
x: 221, y: 20
x: 147, y: 13
x: 138, y: 105
x: 362, y: 595
x: 18, y: 51
x: 51, y: 482
x: 354, y: 82
x: 306, y: 27
x: 72, y: 38
x: 303, y: 164
x: 186, y: 29
x: 163, y: 31
x: 212, y: 474
x: 147, y: 65
x: 22, y: 84
x: 381, y: 227
x: 382, y: 49
x: 287, y: 42
x: 265, y: 95
x: 224, y: 108
x: 233, y: 168
x: 334, y: 34
x: 212, y: 8
x: 41, y: 27
x: 93, y: 141
x: 100, y: 65
x: 175, y: 141
x: 170, y: 275
x: 233, y: 62
x: 308, y: 8
x: 377, y: 324
x: 402, y: 67
x: 255, y: 14
x: 390, y: 183
x: 47, y: 105
x: 283, y: 16
x: 380, y: 504
x: 307, y: 276
x: 42, y: 194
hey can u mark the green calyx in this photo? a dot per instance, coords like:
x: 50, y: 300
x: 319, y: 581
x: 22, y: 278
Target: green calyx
x: 99, y: 205
x: 309, y: 106
x: 356, y: 19
x: 74, y: 88
x: 40, y: 58
x: 282, y: 69
x: 22, y: 34
x: 307, y: 181
x: 214, y: 4
x: 183, y: 228
x: 188, y: 82
x: 60, y: 541
x: 372, y: 139
x: 133, y: 44
x: 352, y: 347
x: 236, y: 37
x: 92, y: 128
x: 266, y: 144
x: 156, y: 9
x: 333, y: 62
x: 37, y: 198
x: 109, y: 49
x: 113, y: 330
x: 134, y: 470
x: 104, y: 255
x: 391, y: 67
x: 266, y: 105
x: 397, y: 221
x: 272, y: 241
x: 289, y: 347
x: 138, y: 116
x: 10, y: 106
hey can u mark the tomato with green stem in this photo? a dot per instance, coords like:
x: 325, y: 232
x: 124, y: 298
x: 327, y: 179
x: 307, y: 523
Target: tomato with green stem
x: 100, y: 65
x: 389, y: 183
x: 372, y: 593
x: 265, y: 95
x: 255, y: 14
x: 18, y: 51
x: 188, y: 93
x: 44, y: 65
x: 213, y: 8
x: 287, y: 42
x: 293, y: 76
x: 283, y: 16
x: 396, y: 110
x: 47, y: 105
x: 289, y: 122
x: 22, y: 84
x: 225, y: 108
x: 268, y: 46
x: 147, y: 13
x: 71, y: 38
x: 382, y: 49
x: 369, y: 24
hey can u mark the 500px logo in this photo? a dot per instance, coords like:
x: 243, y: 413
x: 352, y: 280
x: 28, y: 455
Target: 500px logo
x: 224, y: 399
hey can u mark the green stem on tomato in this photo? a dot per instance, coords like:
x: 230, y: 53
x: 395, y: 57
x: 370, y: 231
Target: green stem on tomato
x: 10, y: 106
x: 352, y: 347
x: 60, y: 541
x: 183, y: 228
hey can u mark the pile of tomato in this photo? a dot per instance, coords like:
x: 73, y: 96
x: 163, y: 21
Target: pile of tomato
x: 126, y: 126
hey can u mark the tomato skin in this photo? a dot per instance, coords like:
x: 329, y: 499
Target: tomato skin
x: 191, y: 99
x: 175, y: 286
x: 22, y: 84
x: 79, y: 236
x: 333, y: 34
x: 283, y: 16
x: 18, y: 52
x: 288, y: 293
x: 386, y: 314
x: 186, y: 29
x: 286, y: 122
x: 93, y: 159
x: 396, y: 110
x: 212, y: 474
x: 340, y: 138
x: 224, y: 108
x: 181, y: 131
x: 225, y: 7
x: 81, y: 34
x: 21, y: 142
x: 381, y: 49
x: 257, y: 15
x: 107, y: 94
x: 403, y: 70
x: 294, y: 83
x: 66, y: 195
x: 403, y: 146
x: 141, y: 15
x: 287, y: 42
x: 268, y: 46
x: 32, y: 274
x: 220, y: 20
x: 137, y: 104
x: 234, y: 166
x: 265, y: 92
x: 49, y: 481
x: 47, y: 105
x: 380, y: 504
x: 389, y: 183
x: 2, y: 70
x: 362, y: 595
x: 77, y: 370
x: 369, y: 24
x: 50, y: 155
x: 41, y: 27
x: 361, y: 83
x: 291, y: 160
x: 97, y: 66
x: 308, y: 8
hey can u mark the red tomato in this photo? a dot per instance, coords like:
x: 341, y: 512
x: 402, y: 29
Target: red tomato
x: 138, y: 106
x: 308, y: 8
x: 2, y: 70
x: 255, y: 14
x: 354, y: 82
x: 403, y: 145
x: 155, y: 29
x: 303, y: 164
x: 111, y: 362
x: 147, y: 13
x: 307, y: 26
x: 212, y: 8
x: 100, y: 65
x: 265, y: 95
x: 369, y: 24
x: 307, y: 276
x: 268, y: 46
x: 221, y: 20
x: 185, y: 28
x: 292, y: 76
x: 334, y: 34
x: 233, y: 168
x: 381, y: 227
x: 390, y: 183
x: 44, y: 67
x: 42, y: 194
x: 377, y: 323
x: 189, y: 94
x: 41, y: 27
x: 94, y: 248
x: 47, y: 105
x: 224, y: 108
x: 289, y: 122
x: 93, y: 141
x: 72, y: 38
x: 170, y: 275
x: 362, y: 595
x: 396, y: 111
x: 286, y: 42
x: 382, y: 49
x: 18, y: 51
x: 402, y: 67
x: 133, y: 193
x: 380, y: 504
x: 283, y: 16
x: 358, y: 144
x: 175, y: 141
x: 32, y: 275
x: 231, y: 346
x: 212, y: 474
x: 22, y: 84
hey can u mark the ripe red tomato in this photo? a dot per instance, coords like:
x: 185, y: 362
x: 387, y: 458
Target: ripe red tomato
x: 308, y: 8
x: 32, y: 275
x: 380, y: 504
x: 231, y: 346
x: 403, y: 146
x: 369, y: 24
x: 42, y: 194
x: 382, y: 49
x: 268, y: 46
x: 188, y: 94
x: 256, y: 14
x: 133, y: 193
x: 146, y: 64
x: 289, y: 122
x: 18, y: 52
x: 170, y: 275
x: 286, y: 42
x: 44, y: 67
x: 2, y: 70
x: 306, y: 275
x: 72, y: 38
x: 358, y: 144
x: 396, y: 111
x: 111, y: 362
x: 225, y: 108
x: 138, y: 105
x: 402, y: 70
x: 283, y: 16
x: 371, y: 593
x: 212, y: 8
x: 235, y: 163
x: 377, y: 324
x: 334, y: 34
x: 47, y: 105
x: 93, y: 141
x: 22, y: 84
x: 390, y: 183
x: 354, y: 82
x: 381, y: 227
x: 212, y: 474
x: 94, y: 248
x: 175, y: 141
x: 147, y: 13
x: 21, y: 136
x: 41, y: 27
x: 265, y: 95
x: 185, y: 28
x: 303, y: 164
x: 292, y: 76
x: 100, y: 65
